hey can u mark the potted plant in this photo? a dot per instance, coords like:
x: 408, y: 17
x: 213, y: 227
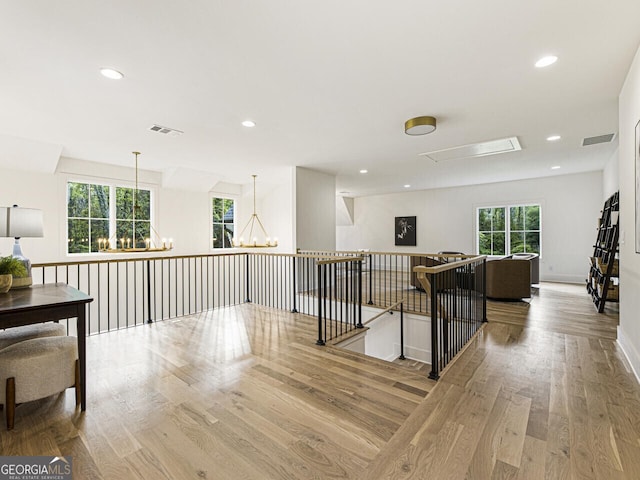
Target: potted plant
x: 10, y: 267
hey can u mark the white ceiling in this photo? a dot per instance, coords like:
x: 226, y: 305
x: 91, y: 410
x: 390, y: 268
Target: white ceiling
x: 328, y: 82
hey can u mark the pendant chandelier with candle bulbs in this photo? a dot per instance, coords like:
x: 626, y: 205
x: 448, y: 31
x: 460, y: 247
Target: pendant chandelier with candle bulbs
x: 153, y: 243
x: 253, y: 241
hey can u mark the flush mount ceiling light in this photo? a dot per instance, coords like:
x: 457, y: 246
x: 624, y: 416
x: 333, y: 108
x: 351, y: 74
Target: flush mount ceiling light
x: 249, y: 123
x: 407, y: 186
x: 556, y: 167
x: 420, y: 125
x: 546, y: 61
x: 553, y: 138
x: 111, y: 73
x: 364, y: 171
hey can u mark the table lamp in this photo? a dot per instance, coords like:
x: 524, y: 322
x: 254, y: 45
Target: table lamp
x: 18, y: 222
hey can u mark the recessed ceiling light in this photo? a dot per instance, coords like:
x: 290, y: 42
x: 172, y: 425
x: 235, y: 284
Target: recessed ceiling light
x: 556, y: 167
x: 111, y: 73
x: 364, y: 171
x: 407, y: 186
x: 553, y: 138
x: 249, y: 123
x: 546, y: 61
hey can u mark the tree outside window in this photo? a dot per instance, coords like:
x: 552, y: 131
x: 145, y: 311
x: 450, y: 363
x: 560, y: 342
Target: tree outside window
x: 102, y: 211
x: 222, y: 215
x: 87, y: 216
x: 133, y: 216
x: 491, y: 231
x: 502, y: 234
x: 525, y: 229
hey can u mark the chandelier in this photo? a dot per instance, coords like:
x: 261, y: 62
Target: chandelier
x: 129, y: 244
x: 254, y: 241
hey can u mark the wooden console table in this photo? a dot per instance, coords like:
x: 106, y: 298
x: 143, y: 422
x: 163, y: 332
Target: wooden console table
x: 45, y: 303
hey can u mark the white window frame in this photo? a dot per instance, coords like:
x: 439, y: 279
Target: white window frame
x: 224, y: 196
x: 507, y: 221
x: 112, y: 205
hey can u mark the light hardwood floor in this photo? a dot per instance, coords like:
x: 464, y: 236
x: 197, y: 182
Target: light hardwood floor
x: 542, y: 392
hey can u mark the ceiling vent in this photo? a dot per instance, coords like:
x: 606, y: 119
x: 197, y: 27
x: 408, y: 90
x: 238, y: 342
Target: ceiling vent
x: 599, y: 139
x: 172, y: 132
x: 482, y: 149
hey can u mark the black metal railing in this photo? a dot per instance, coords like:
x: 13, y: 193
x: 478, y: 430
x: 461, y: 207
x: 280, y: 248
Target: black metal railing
x: 329, y: 285
x: 459, y: 306
x: 339, y: 298
x: 388, y: 277
x: 132, y: 291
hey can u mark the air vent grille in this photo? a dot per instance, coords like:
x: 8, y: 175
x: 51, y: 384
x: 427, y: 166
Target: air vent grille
x: 598, y: 139
x: 482, y: 149
x: 172, y: 132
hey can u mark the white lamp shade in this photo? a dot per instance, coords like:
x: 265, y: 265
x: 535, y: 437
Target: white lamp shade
x: 20, y: 222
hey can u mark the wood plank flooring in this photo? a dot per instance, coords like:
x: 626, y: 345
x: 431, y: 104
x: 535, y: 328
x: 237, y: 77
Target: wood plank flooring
x: 241, y: 392
x: 542, y: 392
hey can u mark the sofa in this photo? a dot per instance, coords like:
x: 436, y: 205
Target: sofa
x: 534, y: 259
x: 449, y: 280
x: 508, y: 277
x: 511, y: 277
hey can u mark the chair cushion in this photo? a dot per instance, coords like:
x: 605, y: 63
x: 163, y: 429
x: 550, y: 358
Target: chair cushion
x: 41, y: 367
x: 27, y: 332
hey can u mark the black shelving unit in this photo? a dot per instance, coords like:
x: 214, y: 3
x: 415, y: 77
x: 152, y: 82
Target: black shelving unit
x: 602, y: 283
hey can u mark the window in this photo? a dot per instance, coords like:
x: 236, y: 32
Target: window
x: 223, y: 224
x: 502, y: 234
x: 106, y: 212
x: 126, y: 222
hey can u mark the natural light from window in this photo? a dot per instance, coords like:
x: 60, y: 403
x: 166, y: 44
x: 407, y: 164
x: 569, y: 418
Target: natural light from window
x: 96, y: 211
x: 506, y: 230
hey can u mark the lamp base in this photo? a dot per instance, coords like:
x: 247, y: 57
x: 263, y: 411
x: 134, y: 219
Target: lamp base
x: 21, y: 282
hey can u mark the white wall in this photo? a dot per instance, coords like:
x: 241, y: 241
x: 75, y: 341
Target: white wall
x: 382, y: 337
x: 274, y: 207
x: 611, y: 176
x: 315, y: 210
x: 35, y: 190
x: 446, y: 219
x: 629, y: 115
x: 180, y: 214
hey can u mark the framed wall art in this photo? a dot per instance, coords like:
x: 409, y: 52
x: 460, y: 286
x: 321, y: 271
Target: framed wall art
x: 405, y: 231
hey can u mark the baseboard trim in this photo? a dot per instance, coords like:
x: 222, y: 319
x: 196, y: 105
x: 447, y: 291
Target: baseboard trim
x: 630, y: 353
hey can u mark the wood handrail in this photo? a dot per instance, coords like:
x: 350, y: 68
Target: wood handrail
x: 447, y: 266
x: 360, y: 252
x: 388, y: 309
x: 340, y: 260
x: 120, y: 259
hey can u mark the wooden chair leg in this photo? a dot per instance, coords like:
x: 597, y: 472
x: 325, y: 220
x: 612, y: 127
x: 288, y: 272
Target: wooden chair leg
x: 11, y: 402
x: 77, y: 384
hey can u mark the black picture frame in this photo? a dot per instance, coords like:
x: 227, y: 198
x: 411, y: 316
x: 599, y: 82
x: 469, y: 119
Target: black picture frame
x: 405, y: 231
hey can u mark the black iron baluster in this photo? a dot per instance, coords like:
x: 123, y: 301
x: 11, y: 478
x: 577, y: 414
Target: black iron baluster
x: 149, y: 320
x: 320, y: 340
x: 248, y: 296
x: 401, y: 357
x: 359, y: 294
